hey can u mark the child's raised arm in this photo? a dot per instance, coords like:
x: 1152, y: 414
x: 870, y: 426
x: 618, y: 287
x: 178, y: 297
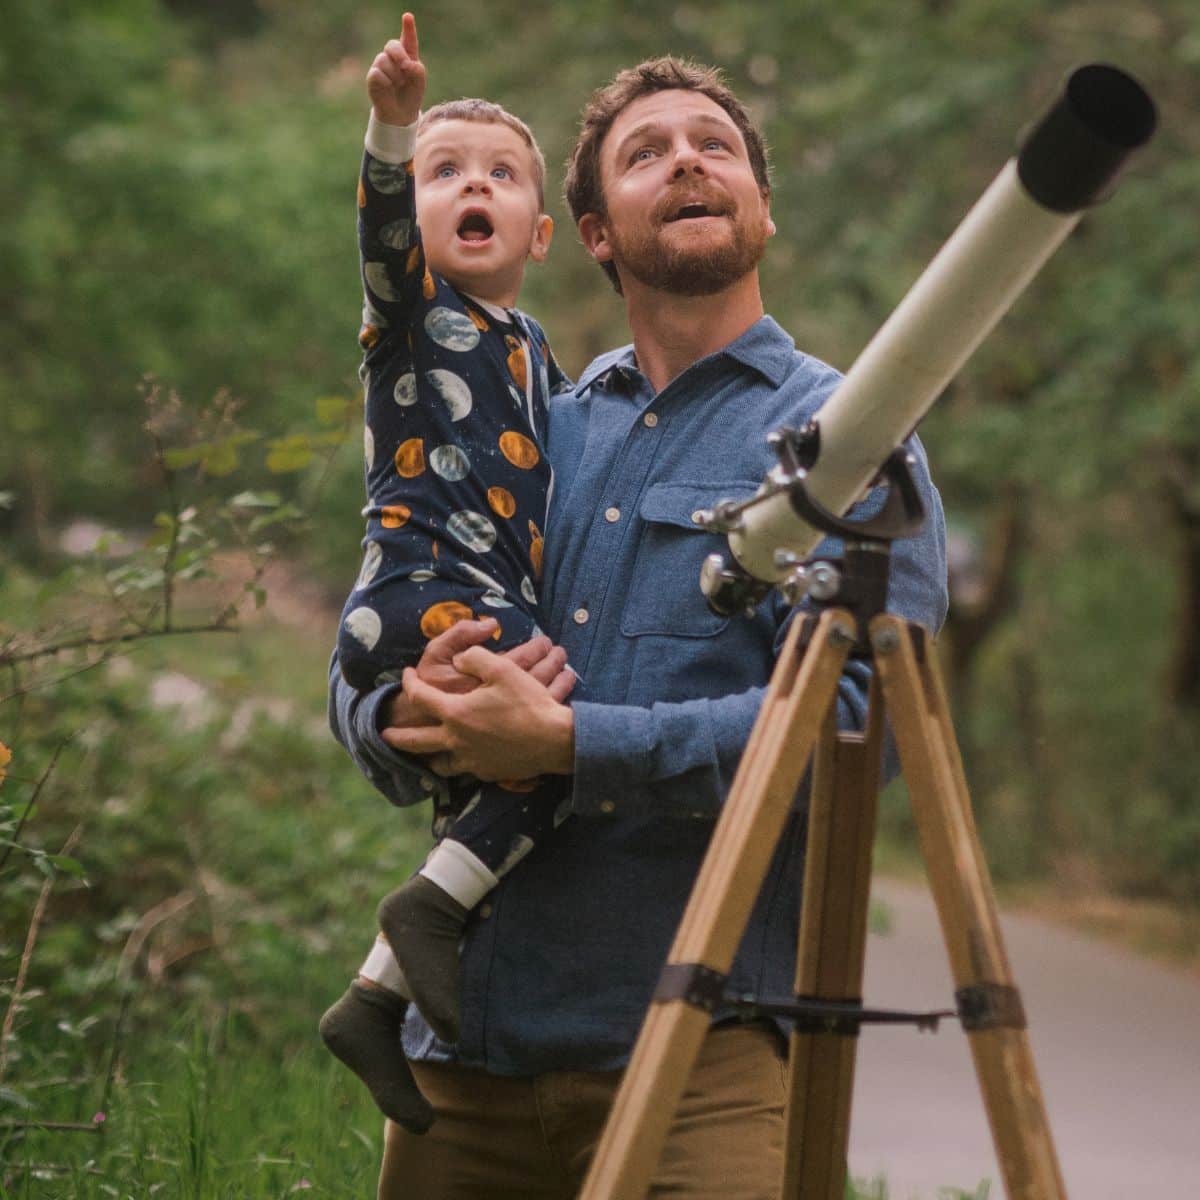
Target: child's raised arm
x: 396, y: 80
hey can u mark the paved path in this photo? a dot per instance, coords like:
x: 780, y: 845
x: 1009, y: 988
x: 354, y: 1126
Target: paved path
x: 1117, y: 1044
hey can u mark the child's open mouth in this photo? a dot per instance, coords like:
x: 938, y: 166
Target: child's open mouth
x: 475, y: 228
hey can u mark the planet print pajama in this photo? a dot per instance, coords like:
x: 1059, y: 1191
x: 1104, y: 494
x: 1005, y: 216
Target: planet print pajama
x: 457, y: 481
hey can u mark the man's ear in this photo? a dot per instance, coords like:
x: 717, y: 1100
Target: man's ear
x: 543, y: 234
x: 770, y: 225
x: 594, y: 235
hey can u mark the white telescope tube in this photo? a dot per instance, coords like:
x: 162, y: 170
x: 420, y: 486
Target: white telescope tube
x: 1067, y: 163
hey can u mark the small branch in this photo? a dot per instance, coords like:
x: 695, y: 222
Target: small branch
x: 38, y: 685
x: 220, y: 625
x: 55, y: 1126
x: 37, y: 791
x: 35, y: 925
x: 168, y: 587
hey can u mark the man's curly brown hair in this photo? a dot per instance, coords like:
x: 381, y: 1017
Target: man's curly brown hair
x: 583, y: 188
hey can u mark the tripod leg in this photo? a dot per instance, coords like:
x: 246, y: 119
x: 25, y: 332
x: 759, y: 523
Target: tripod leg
x: 801, y: 691
x: 829, y: 965
x: 988, y: 1000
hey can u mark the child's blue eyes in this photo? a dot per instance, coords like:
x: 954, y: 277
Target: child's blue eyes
x: 448, y: 172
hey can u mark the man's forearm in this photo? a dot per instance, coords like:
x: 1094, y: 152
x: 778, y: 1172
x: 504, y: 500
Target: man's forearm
x: 676, y: 760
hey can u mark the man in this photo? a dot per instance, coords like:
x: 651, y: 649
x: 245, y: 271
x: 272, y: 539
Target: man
x: 669, y: 188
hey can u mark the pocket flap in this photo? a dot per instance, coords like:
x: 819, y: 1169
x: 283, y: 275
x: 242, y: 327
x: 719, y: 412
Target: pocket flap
x: 677, y: 503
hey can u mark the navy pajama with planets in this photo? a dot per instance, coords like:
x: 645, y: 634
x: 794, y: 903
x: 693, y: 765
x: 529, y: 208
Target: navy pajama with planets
x: 457, y: 481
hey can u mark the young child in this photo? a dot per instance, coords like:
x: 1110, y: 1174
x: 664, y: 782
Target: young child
x: 456, y: 384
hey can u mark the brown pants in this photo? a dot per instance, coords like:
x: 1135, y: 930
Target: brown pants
x: 498, y: 1138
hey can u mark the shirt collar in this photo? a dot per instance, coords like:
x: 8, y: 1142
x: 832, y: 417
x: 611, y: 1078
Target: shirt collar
x: 764, y: 348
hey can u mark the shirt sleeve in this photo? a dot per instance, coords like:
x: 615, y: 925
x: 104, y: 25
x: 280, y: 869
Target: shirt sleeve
x: 389, y: 241
x: 354, y: 720
x: 679, y: 759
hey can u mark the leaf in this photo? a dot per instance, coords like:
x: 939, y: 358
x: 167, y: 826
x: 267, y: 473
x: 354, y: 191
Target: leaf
x: 14, y: 1098
x: 7, y: 500
x: 185, y: 456
x: 291, y: 453
x: 255, y: 500
x: 334, y: 410
x: 68, y: 865
x: 222, y: 459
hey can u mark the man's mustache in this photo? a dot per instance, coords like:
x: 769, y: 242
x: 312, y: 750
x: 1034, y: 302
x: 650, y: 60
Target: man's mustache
x: 716, y: 201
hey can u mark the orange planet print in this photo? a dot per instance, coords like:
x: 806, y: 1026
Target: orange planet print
x: 368, y: 335
x: 410, y: 458
x: 362, y: 195
x: 517, y: 785
x: 516, y: 361
x: 519, y: 450
x: 413, y: 261
x: 501, y: 501
x: 478, y: 320
x: 438, y: 618
x: 535, y: 556
x: 428, y: 287
x: 395, y: 516
x: 434, y: 550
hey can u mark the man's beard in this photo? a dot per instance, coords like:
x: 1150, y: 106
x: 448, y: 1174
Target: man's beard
x: 690, y: 270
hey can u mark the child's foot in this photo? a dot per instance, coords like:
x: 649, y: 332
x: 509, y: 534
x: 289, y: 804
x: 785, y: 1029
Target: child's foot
x: 363, y: 1030
x: 423, y: 925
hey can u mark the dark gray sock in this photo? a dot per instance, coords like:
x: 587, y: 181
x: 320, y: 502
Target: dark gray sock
x: 424, y: 925
x: 363, y: 1030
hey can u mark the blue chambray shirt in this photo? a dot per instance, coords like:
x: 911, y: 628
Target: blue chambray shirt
x: 561, y: 961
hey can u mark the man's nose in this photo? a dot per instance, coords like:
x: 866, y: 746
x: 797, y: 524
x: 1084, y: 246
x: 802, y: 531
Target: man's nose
x: 687, y: 160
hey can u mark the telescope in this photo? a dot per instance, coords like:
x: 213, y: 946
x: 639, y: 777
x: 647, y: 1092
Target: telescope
x: 1068, y: 162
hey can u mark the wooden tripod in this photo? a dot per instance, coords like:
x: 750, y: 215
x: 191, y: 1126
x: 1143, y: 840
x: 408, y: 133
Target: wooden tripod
x: 798, y: 717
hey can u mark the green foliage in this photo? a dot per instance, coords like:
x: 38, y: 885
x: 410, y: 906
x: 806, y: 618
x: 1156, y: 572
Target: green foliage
x: 182, y: 207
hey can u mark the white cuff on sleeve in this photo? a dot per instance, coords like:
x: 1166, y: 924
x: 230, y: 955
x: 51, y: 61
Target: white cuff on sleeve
x: 382, y: 968
x: 456, y: 870
x: 391, y: 143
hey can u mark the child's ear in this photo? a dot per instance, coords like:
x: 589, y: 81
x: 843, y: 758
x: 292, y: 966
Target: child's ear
x: 595, y: 237
x: 543, y: 234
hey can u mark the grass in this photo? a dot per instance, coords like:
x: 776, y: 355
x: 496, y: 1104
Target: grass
x: 208, y: 1115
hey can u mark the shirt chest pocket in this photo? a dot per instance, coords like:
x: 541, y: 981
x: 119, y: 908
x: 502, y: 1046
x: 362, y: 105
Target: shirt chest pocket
x: 664, y: 596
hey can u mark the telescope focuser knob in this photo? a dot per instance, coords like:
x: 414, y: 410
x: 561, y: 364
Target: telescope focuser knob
x: 824, y: 581
x: 728, y: 588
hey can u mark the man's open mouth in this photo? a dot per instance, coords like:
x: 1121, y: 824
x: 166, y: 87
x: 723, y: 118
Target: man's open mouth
x: 692, y: 211
x: 475, y: 227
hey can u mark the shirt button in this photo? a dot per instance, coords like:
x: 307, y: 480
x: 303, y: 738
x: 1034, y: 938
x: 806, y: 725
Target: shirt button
x: 580, y: 616
x: 612, y: 514
x: 650, y: 420
x: 607, y: 806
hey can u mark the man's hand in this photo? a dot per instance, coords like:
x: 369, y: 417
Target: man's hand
x: 509, y: 726
x: 396, y: 80
x: 544, y: 662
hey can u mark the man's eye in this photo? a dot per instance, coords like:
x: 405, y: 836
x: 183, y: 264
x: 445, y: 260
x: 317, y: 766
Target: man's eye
x: 713, y: 144
x: 646, y: 152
